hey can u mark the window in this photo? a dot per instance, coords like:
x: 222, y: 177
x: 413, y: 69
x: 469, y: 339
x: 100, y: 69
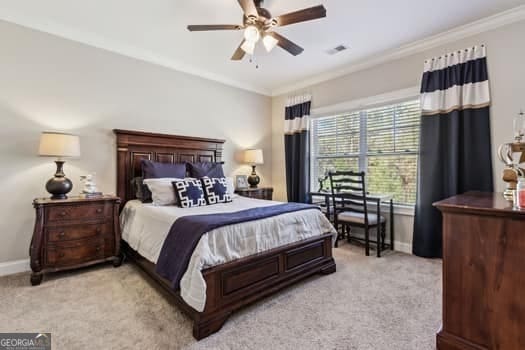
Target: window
x: 382, y: 141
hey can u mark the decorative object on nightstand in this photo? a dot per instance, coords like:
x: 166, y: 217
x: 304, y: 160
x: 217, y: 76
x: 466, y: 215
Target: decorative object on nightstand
x: 59, y: 145
x: 253, y: 157
x: 259, y: 193
x: 90, y: 186
x: 241, y: 181
x: 74, y: 232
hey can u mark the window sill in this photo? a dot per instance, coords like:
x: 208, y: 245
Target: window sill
x: 405, y: 210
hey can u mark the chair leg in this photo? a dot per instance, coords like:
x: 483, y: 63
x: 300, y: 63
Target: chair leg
x: 391, y: 236
x: 378, y: 240
x: 337, y: 236
x: 367, y: 242
x: 383, y: 236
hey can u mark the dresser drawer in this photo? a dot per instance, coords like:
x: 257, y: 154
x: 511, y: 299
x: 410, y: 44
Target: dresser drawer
x: 74, y: 232
x: 78, y: 212
x: 76, y: 252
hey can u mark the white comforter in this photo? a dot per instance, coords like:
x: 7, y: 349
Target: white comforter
x: 145, y: 227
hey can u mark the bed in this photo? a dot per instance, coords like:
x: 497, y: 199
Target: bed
x: 230, y: 283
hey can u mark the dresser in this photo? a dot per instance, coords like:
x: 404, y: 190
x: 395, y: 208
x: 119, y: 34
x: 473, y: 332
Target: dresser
x: 483, y: 273
x: 259, y: 192
x: 74, y: 232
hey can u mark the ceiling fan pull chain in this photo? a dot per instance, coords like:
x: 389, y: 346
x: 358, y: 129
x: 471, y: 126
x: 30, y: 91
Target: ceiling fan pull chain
x: 254, y: 61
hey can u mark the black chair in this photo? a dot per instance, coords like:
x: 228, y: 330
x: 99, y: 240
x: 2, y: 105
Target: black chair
x: 350, y: 208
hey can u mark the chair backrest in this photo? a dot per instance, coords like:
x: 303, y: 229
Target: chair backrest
x: 349, y: 192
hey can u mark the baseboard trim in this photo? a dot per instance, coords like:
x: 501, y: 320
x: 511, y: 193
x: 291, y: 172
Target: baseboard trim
x: 12, y: 267
x: 403, y: 247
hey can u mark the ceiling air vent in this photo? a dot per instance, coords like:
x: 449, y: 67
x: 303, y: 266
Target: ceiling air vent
x: 337, y: 49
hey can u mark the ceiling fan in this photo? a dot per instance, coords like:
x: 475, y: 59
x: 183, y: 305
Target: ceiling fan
x: 258, y: 23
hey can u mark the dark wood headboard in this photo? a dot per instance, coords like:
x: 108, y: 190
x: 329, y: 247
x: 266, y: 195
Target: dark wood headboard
x: 132, y: 146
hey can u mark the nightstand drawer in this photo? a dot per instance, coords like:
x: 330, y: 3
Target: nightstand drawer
x: 60, y: 255
x: 66, y: 233
x: 78, y: 212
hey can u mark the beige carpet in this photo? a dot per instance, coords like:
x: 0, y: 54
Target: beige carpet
x: 369, y: 303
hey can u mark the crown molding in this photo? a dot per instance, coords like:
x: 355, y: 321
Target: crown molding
x: 88, y: 38
x: 501, y: 19
x: 92, y: 39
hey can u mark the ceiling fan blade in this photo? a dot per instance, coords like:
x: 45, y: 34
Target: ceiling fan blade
x: 200, y: 28
x: 302, y: 15
x: 248, y: 6
x: 286, y: 44
x: 239, y: 53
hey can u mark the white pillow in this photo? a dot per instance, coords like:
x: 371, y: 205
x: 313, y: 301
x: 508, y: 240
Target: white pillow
x: 230, y: 187
x: 162, y: 192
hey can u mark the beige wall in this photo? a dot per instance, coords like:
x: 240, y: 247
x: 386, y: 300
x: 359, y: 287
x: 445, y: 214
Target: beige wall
x: 506, y: 51
x: 48, y: 83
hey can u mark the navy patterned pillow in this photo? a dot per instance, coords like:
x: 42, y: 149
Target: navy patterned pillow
x: 189, y: 193
x: 209, y: 169
x: 215, y: 190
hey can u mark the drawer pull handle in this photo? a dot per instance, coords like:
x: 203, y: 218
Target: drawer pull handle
x: 99, y: 210
x: 62, y: 234
x: 61, y: 255
x: 98, y: 230
x: 63, y: 213
x: 97, y: 249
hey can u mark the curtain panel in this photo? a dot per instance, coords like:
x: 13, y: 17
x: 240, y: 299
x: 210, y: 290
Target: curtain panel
x: 297, y: 148
x: 455, y: 142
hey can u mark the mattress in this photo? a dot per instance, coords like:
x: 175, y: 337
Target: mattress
x: 145, y: 227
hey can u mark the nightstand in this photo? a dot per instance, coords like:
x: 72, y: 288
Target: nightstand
x: 259, y: 192
x: 73, y: 233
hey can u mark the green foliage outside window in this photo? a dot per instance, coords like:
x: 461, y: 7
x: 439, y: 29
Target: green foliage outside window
x: 383, y: 142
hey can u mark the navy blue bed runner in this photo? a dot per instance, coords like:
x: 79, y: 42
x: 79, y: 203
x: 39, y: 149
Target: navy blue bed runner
x: 186, y: 232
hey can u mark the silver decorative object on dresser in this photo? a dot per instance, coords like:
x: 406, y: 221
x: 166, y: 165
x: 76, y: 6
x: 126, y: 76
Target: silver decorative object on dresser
x: 513, y: 165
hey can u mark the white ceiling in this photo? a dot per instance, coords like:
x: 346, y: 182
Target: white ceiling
x: 156, y: 31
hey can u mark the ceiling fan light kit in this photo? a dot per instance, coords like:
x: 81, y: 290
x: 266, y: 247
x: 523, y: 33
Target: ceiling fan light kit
x: 251, y: 33
x: 248, y: 47
x: 258, y: 22
x: 269, y: 42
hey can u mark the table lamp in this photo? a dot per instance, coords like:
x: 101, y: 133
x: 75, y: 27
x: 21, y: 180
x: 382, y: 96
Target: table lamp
x: 59, y: 145
x: 253, y: 157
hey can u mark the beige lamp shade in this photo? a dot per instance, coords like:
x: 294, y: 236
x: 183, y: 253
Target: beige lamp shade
x: 55, y: 144
x: 253, y: 156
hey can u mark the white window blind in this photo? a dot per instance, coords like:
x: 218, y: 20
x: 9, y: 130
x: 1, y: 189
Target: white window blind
x: 382, y: 141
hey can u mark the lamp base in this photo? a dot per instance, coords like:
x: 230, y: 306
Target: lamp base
x: 253, y: 179
x: 59, y: 185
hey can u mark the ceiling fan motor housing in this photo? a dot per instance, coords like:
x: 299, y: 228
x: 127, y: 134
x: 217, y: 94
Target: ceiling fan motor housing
x: 262, y: 12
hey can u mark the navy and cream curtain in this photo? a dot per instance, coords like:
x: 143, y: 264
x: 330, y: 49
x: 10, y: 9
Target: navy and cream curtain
x: 297, y: 148
x: 455, y: 145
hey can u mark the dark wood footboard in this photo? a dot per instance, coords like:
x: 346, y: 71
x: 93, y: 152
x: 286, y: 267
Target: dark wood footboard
x: 238, y: 283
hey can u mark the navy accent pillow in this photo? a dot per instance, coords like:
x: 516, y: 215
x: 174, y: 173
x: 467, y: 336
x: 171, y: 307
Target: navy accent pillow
x: 142, y: 191
x: 189, y: 193
x: 209, y: 169
x: 156, y: 170
x: 215, y: 190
